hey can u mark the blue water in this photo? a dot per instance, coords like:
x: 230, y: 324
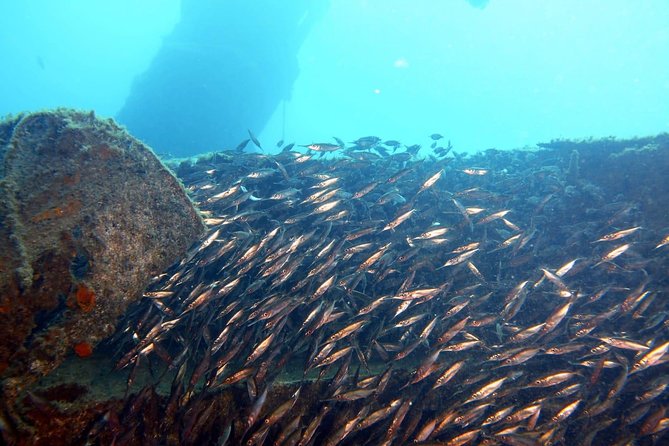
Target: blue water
x: 504, y: 74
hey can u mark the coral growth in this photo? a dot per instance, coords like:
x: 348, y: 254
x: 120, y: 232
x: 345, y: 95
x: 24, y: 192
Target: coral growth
x: 85, y: 298
x: 83, y: 349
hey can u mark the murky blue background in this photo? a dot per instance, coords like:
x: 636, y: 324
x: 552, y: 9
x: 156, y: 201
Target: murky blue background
x: 506, y: 75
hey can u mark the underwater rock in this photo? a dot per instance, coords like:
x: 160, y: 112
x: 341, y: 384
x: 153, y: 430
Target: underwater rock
x: 87, y: 215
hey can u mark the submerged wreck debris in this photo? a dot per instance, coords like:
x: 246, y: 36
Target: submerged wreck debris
x: 87, y: 215
x: 375, y: 298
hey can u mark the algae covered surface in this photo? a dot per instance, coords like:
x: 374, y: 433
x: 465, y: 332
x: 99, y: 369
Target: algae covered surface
x: 88, y: 215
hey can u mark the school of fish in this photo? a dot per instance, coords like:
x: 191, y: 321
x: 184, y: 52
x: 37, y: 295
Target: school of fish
x: 409, y: 301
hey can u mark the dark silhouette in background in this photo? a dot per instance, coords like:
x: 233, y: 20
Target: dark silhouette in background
x: 224, y: 69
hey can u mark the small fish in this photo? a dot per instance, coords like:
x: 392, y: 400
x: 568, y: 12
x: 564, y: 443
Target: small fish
x: 366, y: 141
x: 613, y: 254
x: 254, y: 139
x: 564, y: 269
x: 255, y: 411
x: 460, y: 258
x: 225, y: 194
x: 399, y: 220
x: 464, y: 438
x: 413, y: 150
x: 516, y: 292
x: 283, y: 409
x: 260, y: 348
x: 373, y: 258
x: 335, y: 356
x: 617, y: 235
x: 261, y: 173
x: 312, y: 427
x: 555, y: 318
x: 430, y: 181
x: 242, y: 145
x: 625, y: 344
x: 379, y: 415
x: 566, y: 411
x: 432, y: 233
x: 417, y: 294
x: 520, y: 357
x: 476, y: 272
x: 326, y: 207
x: 527, y: 333
x: 664, y: 242
x: 399, y: 174
x: 493, y: 217
x: 158, y: 294
x: 510, y: 241
x: 524, y: 413
x: 651, y: 358
x: 436, y: 136
x: 391, y: 197
x: 475, y: 172
x: 453, y: 331
x: 462, y: 346
x: 486, y: 390
x: 409, y: 321
x: 238, y: 376
x: 323, y: 147
x: 467, y: 247
x: 557, y: 281
x: 325, y: 183
x: 553, y: 379
x: 372, y: 306
x: 473, y: 210
x: 346, y: 331
x: 365, y: 190
x: 498, y: 416
x: 425, y: 431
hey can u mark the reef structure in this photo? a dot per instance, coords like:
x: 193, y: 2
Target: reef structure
x: 87, y: 215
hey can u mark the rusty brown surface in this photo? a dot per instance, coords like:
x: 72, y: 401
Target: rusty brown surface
x: 87, y: 215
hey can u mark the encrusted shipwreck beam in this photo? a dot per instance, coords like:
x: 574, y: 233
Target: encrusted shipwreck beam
x: 87, y: 215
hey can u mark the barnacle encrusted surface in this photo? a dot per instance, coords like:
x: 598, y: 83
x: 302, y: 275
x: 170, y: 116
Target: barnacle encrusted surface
x: 83, y: 206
